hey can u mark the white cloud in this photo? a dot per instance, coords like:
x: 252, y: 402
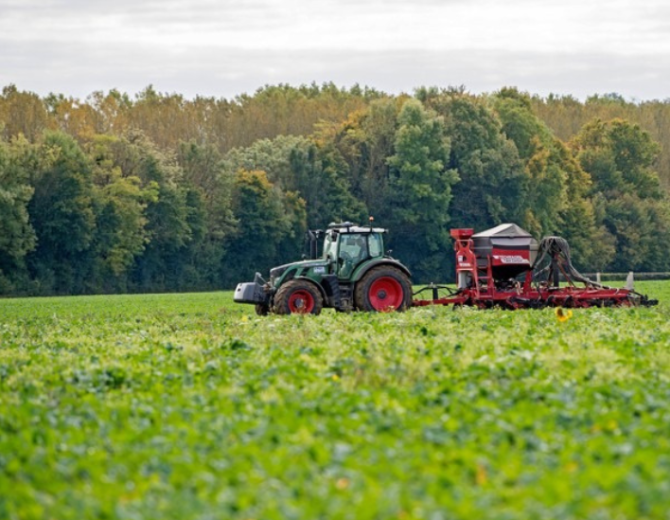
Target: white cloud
x: 215, y: 46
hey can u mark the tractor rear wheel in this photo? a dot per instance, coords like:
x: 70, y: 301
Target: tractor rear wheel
x: 298, y: 297
x: 383, y: 289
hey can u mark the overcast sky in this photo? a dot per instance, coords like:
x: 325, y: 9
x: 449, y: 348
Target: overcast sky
x: 223, y: 48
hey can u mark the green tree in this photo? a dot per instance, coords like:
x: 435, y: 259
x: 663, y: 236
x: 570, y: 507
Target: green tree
x: 592, y: 244
x: 365, y: 141
x: 620, y: 157
x: 492, y: 177
x: 209, y: 199
x: 167, y: 230
x: 420, y: 186
x: 319, y: 179
x: 317, y: 173
x: 17, y: 237
x: 566, y: 116
x: 61, y: 212
x: 120, y: 202
x: 268, y: 219
x: 545, y: 190
x: 556, y: 198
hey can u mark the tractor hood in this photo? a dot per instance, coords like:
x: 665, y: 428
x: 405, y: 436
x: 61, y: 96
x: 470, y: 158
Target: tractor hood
x: 277, y: 272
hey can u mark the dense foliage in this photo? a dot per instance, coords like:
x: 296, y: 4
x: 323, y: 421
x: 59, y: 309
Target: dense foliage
x: 188, y: 406
x: 157, y: 192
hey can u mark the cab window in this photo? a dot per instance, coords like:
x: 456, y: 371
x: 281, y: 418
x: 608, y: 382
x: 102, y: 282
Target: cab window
x: 353, y: 250
x: 330, y: 246
x: 375, y: 245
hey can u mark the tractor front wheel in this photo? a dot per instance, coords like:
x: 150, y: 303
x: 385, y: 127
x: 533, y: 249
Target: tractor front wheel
x: 383, y: 289
x: 262, y: 309
x: 298, y: 297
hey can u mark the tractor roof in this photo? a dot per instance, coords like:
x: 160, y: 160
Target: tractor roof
x: 503, y: 230
x: 348, y: 227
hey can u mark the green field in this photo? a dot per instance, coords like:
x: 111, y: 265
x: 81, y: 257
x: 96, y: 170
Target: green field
x: 189, y: 406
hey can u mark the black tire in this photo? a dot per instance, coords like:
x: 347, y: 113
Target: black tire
x: 262, y: 309
x: 298, y: 297
x: 383, y: 289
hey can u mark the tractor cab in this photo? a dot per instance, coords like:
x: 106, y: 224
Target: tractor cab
x: 346, y: 246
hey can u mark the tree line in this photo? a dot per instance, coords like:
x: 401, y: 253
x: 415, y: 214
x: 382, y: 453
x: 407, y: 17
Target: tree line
x: 160, y: 193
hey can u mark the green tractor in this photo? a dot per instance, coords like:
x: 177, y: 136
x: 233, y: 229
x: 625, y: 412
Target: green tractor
x: 353, y: 272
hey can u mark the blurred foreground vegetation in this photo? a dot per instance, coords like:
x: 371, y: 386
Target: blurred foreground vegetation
x: 188, y: 406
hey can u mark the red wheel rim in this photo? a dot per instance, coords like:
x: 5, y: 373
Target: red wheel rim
x: 301, y: 302
x: 386, y: 294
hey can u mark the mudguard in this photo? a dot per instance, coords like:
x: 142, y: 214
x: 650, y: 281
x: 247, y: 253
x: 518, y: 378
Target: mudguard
x: 362, y: 269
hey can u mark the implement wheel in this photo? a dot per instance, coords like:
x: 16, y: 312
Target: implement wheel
x: 298, y: 297
x: 383, y: 289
